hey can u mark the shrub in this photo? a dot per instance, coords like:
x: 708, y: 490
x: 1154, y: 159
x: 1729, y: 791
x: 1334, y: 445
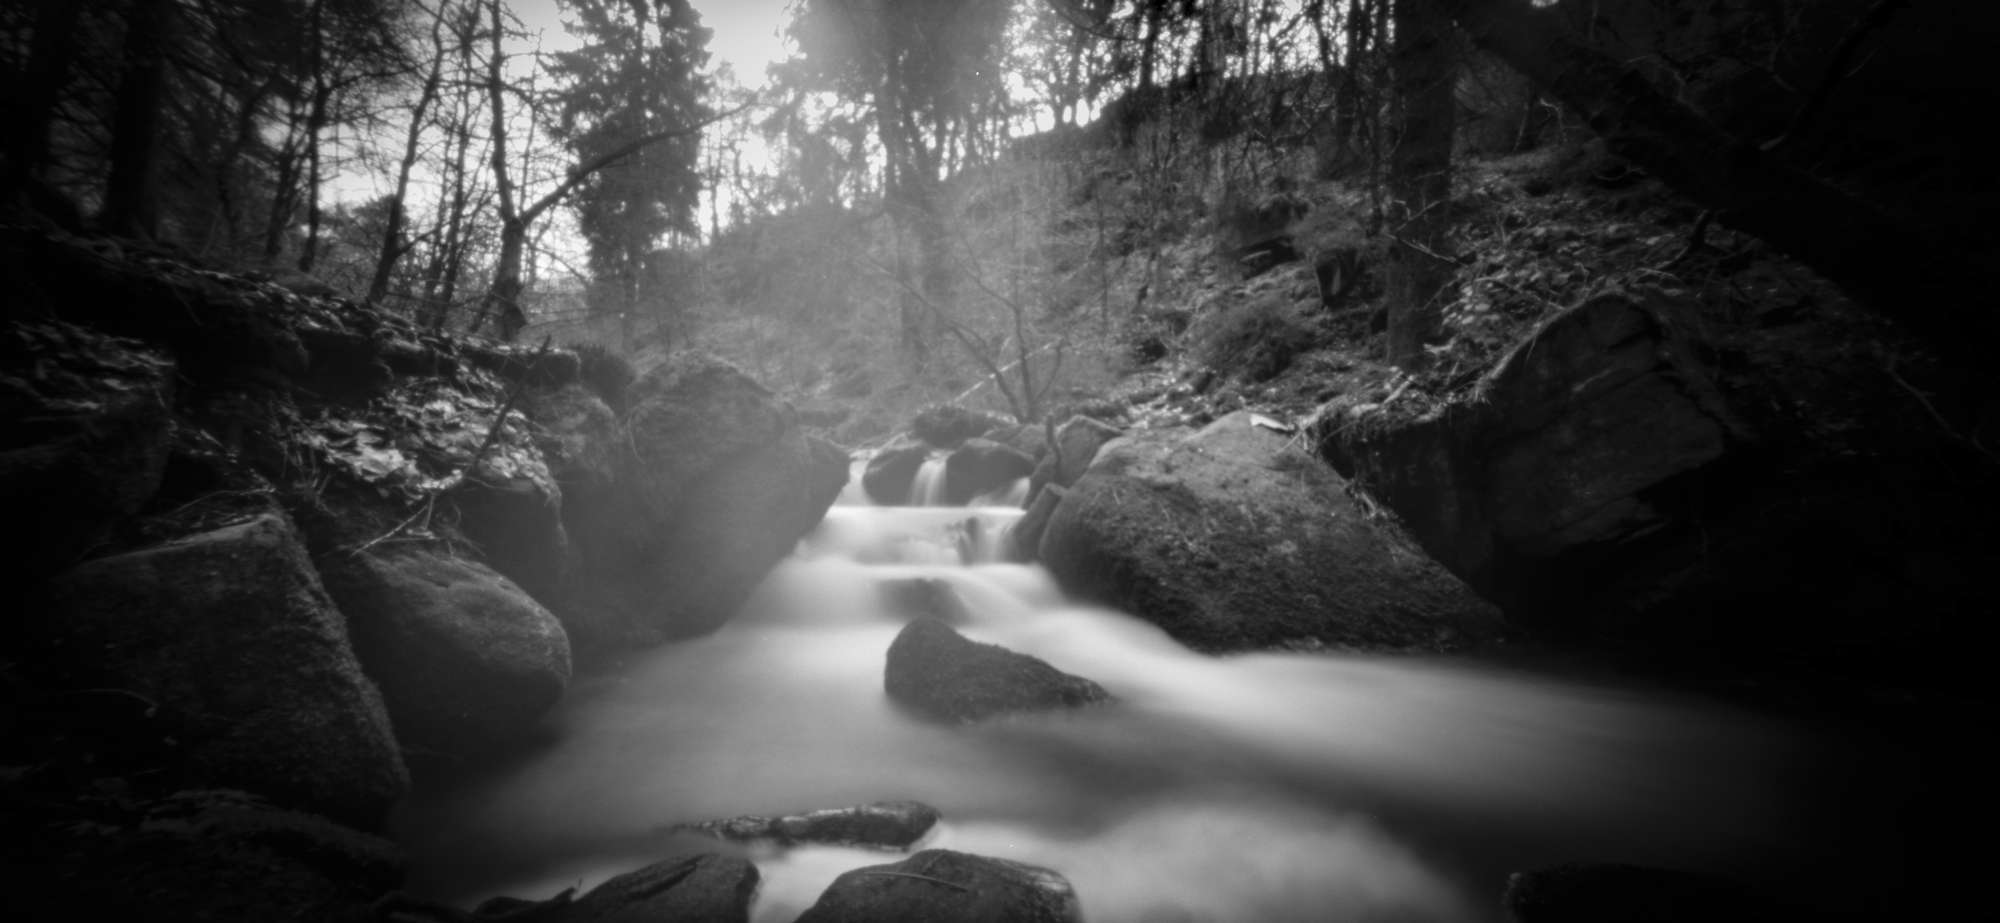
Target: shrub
x: 1254, y: 340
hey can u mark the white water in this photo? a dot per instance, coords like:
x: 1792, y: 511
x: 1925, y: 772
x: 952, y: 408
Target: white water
x: 1267, y: 787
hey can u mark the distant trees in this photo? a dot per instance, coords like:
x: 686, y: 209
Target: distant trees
x: 929, y: 71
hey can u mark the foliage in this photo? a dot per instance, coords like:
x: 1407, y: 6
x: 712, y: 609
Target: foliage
x: 638, y: 76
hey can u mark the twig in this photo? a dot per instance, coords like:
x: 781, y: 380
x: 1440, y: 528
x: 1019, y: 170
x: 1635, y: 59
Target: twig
x: 424, y: 511
x: 1889, y: 369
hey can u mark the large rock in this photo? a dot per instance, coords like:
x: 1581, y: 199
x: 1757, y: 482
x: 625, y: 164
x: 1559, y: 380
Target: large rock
x: 981, y: 466
x: 86, y: 422
x: 465, y: 659
x: 1229, y: 539
x: 715, y: 484
x: 686, y: 889
x: 517, y: 524
x: 939, y: 884
x: 245, y: 662
x: 890, y: 472
x: 1076, y: 446
x: 887, y: 824
x: 942, y: 675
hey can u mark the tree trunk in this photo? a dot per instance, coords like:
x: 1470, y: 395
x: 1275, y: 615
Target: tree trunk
x: 1420, y: 179
x: 40, y: 92
x: 392, y: 235
x: 131, y: 194
x: 1894, y: 269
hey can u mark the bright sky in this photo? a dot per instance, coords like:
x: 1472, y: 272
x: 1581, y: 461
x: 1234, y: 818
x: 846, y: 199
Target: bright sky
x: 745, y: 31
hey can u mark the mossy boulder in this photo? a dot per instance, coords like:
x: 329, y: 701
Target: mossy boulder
x: 245, y: 661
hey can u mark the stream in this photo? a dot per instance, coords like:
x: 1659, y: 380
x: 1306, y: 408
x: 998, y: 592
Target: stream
x: 1266, y: 786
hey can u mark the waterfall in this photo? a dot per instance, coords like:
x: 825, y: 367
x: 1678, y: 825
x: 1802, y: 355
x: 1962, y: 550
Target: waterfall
x: 1270, y: 786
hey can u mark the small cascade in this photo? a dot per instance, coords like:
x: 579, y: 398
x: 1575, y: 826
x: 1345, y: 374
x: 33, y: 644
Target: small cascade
x: 927, y: 489
x: 1271, y: 786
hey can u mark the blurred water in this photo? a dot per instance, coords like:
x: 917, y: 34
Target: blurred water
x: 1262, y: 787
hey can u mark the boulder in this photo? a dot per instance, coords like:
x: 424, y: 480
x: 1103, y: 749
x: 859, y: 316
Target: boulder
x: 703, y: 888
x: 891, y: 471
x: 1077, y: 444
x: 1031, y: 439
x: 940, y: 674
x: 980, y: 466
x: 245, y: 663
x: 1026, y: 537
x: 577, y: 432
x: 1230, y: 539
x: 87, y: 425
x: 947, y: 425
x: 887, y: 824
x: 939, y: 884
x: 715, y: 483
x: 830, y: 470
x: 465, y: 659
x: 517, y: 524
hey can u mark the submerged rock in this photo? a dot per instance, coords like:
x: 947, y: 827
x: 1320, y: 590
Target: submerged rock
x: 703, y: 888
x: 939, y: 884
x: 889, y: 824
x: 982, y: 466
x: 920, y: 597
x: 1229, y: 539
x: 944, y: 676
x: 244, y: 661
x: 465, y: 659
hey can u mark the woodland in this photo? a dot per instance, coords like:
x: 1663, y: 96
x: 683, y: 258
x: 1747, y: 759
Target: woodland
x: 390, y: 383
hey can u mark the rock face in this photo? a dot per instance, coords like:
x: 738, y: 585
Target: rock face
x: 939, y: 884
x: 686, y: 889
x: 942, y: 675
x: 1574, y: 449
x: 717, y: 484
x: 1229, y: 540
x: 229, y: 634
x: 981, y: 466
x: 887, y: 824
x: 1077, y: 444
x: 87, y: 440
x: 889, y: 474
x: 465, y: 659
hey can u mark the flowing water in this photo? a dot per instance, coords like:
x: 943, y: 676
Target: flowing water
x: 1261, y: 787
